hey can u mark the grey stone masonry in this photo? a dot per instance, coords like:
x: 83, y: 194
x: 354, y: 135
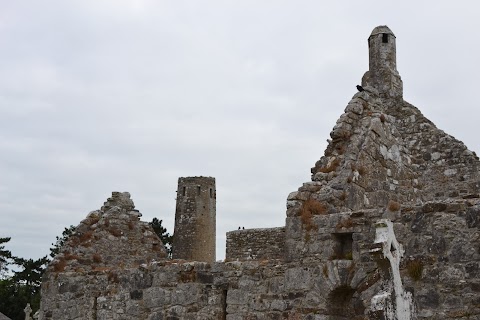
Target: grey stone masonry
x: 388, y: 228
x: 4, y: 317
x: 195, y: 219
x: 112, y: 237
x: 382, y: 74
x: 441, y: 269
x: 256, y: 244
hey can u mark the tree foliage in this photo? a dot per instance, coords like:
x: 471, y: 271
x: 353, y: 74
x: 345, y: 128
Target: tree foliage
x: 5, y: 255
x: 22, y: 284
x: 162, y: 233
x: 31, y: 275
x: 13, y: 299
x: 61, y: 240
x: 22, y: 287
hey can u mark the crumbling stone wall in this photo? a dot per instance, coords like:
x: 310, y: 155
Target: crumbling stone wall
x: 444, y: 166
x: 443, y: 260
x: 336, y: 279
x: 254, y: 289
x: 256, y: 244
x: 154, y: 291
x: 388, y: 229
x: 112, y: 237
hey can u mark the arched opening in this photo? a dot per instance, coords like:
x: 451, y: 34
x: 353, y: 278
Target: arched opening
x: 342, y: 305
x: 339, y: 303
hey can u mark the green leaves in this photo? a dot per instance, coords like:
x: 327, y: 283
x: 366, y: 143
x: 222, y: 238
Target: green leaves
x: 5, y: 255
x: 61, y: 240
x: 23, y: 286
x: 31, y: 275
x: 162, y: 233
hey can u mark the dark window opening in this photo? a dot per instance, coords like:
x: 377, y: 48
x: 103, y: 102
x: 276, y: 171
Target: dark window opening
x: 385, y: 38
x: 184, y: 191
x: 198, y: 190
x: 343, y: 246
x: 94, y: 304
x: 223, y: 316
x: 211, y: 193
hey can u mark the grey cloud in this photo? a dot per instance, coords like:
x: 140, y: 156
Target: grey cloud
x: 130, y: 95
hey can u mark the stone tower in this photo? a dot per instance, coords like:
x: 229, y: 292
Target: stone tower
x: 194, y: 235
x: 382, y: 75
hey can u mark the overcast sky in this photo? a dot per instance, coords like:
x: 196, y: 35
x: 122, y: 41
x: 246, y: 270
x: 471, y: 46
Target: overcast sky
x: 101, y: 96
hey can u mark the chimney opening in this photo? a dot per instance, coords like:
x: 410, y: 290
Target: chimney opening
x: 385, y: 38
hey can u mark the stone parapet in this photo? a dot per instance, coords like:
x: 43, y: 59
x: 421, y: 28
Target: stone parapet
x: 256, y: 244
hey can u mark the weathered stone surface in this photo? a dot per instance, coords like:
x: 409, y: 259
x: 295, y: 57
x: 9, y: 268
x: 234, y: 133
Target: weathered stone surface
x: 4, y: 317
x: 195, y: 219
x: 256, y: 244
x: 98, y: 239
x: 386, y: 167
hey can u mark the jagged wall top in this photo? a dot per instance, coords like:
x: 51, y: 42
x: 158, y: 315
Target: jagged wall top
x: 110, y: 238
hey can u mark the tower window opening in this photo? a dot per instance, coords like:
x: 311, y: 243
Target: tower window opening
x: 343, y: 245
x: 198, y: 190
x: 184, y: 190
x: 385, y: 38
x: 211, y: 193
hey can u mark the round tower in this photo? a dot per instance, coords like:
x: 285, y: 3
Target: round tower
x: 194, y: 234
x: 383, y: 74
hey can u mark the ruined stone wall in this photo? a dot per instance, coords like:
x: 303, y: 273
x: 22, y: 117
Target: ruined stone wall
x: 383, y: 153
x: 233, y: 290
x: 441, y: 243
x: 112, y: 237
x: 256, y: 244
x: 337, y: 277
x: 388, y: 229
x: 156, y: 291
x: 444, y: 166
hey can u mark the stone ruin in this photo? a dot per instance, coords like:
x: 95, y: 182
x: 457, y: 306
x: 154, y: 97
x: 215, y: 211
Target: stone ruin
x: 388, y: 228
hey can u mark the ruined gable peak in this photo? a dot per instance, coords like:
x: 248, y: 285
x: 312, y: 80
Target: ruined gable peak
x: 109, y: 238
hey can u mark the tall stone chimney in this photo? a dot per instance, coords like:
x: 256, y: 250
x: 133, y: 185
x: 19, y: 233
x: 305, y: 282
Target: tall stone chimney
x: 382, y: 74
